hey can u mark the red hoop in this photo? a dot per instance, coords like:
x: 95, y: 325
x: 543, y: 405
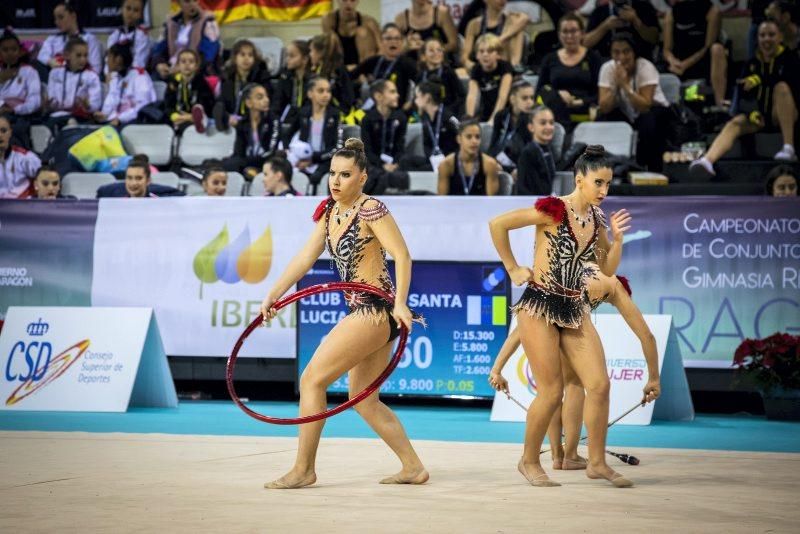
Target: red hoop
x: 285, y: 301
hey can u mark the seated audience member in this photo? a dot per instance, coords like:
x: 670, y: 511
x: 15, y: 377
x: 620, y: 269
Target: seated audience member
x: 635, y: 17
x: 315, y: 135
x: 691, y: 44
x: 424, y: 21
x: 629, y: 91
x: 781, y: 181
x: 787, y: 15
x: 468, y: 171
x: 508, y: 28
x: 190, y: 29
x: 510, y: 130
x: 432, y: 66
x: 568, y: 76
x: 290, y: 90
x: 132, y: 33
x: 20, y: 87
x: 215, y: 180
x: 278, y: 177
x: 137, y: 183
x: 188, y: 99
x: 383, y: 131
x: 536, y: 170
x: 129, y: 90
x: 765, y: 99
x: 257, y: 133
x: 74, y: 90
x: 325, y: 53
x: 439, y: 129
x: 47, y: 183
x: 51, y: 53
x: 18, y: 165
x: 359, y: 34
x: 245, y: 66
x: 391, y: 65
x: 489, y: 81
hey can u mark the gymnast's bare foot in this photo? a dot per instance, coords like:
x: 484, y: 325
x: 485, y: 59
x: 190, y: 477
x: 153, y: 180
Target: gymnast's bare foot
x: 535, y: 475
x: 573, y: 464
x: 603, y: 471
x: 408, y: 475
x: 294, y: 479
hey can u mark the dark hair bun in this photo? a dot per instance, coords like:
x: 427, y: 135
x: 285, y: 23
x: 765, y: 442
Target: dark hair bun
x: 355, y: 144
x: 594, y: 151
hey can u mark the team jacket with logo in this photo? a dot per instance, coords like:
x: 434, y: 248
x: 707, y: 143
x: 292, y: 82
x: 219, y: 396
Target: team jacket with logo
x: 137, y: 38
x: 127, y: 95
x: 16, y: 172
x: 78, y: 93
x: 23, y: 92
x: 53, y: 48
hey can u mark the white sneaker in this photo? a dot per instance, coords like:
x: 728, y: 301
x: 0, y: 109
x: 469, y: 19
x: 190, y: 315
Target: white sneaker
x: 787, y: 153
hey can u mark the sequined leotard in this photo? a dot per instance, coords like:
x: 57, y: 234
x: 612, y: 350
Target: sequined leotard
x: 558, y: 292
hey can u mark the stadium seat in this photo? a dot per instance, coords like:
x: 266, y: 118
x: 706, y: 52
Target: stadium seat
x: 170, y: 179
x: 40, y: 137
x: 194, y: 148
x: 564, y: 183
x: 236, y: 185
x: 192, y: 187
x: 155, y: 140
x: 256, y: 188
x: 351, y: 131
x: 532, y: 79
x: 616, y: 136
x: 161, y: 89
x: 414, y: 143
x: 300, y: 183
x: 506, y: 183
x: 486, y: 135
x: 272, y: 50
x: 423, y: 181
x: 671, y: 85
x: 557, y: 145
x: 85, y: 184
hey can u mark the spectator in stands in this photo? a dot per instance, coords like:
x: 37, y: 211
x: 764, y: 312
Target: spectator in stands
x: 137, y: 183
x: 17, y: 165
x: 315, y: 134
x: 468, y: 171
x: 190, y: 29
x: 129, y: 90
x: 425, y: 21
x: 439, y: 129
x: 383, y: 131
x: 325, y: 53
x: 359, y: 34
x: 278, y: 176
x: 509, y: 29
x: 635, y: 17
x: 290, y: 93
x: 432, y: 66
x: 691, y: 44
x: 536, y: 171
x: 47, y: 183
x: 568, y: 76
x: 133, y: 33
x: 245, y: 66
x: 391, y: 65
x: 215, y: 180
x: 73, y: 89
x: 785, y: 13
x: 781, y: 181
x: 629, y: 91
x: 489, y: 81
x: 52, y: 52
x: 766, y: 97
x: 188, y: 99
x: 20, y: 87
x: 510, y: 131
x: 257, y: 134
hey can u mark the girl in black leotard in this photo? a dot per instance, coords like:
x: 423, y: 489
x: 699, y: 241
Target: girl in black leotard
x: 425, y: 21
x: 358, y: 33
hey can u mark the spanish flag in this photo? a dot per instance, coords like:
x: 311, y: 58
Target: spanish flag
x: 275, y: 10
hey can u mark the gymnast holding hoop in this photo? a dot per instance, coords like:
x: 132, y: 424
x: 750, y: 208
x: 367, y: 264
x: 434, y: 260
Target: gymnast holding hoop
x: 553, y: 312
x: 357, y: 231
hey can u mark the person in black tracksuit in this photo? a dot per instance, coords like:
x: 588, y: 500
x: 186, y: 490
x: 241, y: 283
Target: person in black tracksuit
x: 245, y: 67
x: 537, y: 163
x: 510, y: 131
x: 383, y: 131
x: 439, y: 128
x: 290, y: 92
x: 257, y: 133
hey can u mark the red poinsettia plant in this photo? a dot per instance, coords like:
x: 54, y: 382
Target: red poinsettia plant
x: 770, y: 362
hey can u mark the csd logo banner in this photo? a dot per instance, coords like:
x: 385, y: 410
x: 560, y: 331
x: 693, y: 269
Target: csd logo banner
x: 82, y: 359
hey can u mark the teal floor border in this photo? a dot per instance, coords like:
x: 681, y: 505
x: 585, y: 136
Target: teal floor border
x: 734, y: 433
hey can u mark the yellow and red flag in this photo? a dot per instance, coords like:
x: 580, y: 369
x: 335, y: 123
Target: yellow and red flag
x: 275, y: 10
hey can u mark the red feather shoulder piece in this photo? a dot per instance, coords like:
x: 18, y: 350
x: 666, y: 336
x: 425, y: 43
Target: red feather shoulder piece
x: 320, y: 211
x: 624, y: 281
x: 552, y: 206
